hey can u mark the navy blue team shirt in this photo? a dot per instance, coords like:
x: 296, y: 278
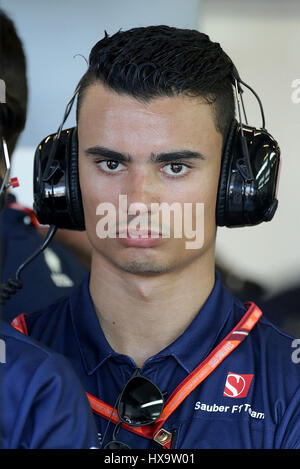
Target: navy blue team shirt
x: 43, y: 405
x: 252, y: 399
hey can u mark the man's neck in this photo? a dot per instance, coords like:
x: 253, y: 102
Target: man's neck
x: 139, y: 315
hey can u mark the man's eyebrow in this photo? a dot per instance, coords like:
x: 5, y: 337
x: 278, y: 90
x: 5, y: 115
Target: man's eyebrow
x: 107, y: 153
x: 176, y: 155
x: 155, y: 157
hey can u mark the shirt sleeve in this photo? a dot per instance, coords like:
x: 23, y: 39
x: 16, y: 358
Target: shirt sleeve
x: 55, y: 413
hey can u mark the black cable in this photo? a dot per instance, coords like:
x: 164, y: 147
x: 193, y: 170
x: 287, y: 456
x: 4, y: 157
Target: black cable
x: 244, y: 110
x: 258, y: 100
x: 13, y: 285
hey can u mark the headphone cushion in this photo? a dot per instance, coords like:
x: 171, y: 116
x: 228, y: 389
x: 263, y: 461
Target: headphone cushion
x: 74, y: 186
x: 227, y: 155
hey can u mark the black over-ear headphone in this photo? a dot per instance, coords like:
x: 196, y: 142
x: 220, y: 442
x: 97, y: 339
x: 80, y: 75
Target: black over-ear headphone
x: 247, y: 185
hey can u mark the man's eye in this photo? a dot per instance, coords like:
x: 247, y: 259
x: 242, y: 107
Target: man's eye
x: 110, y: 166
x: 176, y: 169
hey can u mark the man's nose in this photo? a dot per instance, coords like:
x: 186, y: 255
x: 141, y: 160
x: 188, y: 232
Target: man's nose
x: 142, y: 190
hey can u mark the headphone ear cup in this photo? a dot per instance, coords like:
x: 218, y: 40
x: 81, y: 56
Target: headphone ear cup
x: 73, y: 186
x: 227, y: 155
x: 245, y: 199
x: 57, y: 195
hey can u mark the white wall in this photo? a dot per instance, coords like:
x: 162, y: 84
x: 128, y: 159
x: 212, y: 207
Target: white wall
x: 263, y: 38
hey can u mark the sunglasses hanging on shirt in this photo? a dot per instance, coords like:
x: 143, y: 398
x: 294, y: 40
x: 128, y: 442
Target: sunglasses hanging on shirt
x: 140, y: 403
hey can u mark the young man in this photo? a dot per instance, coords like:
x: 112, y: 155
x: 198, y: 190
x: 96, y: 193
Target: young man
x: 154, y: 110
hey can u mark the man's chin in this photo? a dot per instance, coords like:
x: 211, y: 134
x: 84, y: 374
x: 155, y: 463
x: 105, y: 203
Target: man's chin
x: 137, y: 267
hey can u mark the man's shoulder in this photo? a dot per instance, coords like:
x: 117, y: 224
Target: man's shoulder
x: 16, y: 341
x: 272, y: 333
x: 20, y: 347
x: 32, y: 362
x: 269, y: 343
x: 44, y: 320
x: 265, y: 332
x: 25, y: 357
x: 277, y: 348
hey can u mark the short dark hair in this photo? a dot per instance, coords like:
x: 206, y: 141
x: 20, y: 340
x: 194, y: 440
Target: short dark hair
x: 154, y: 61
x: 13, y: 72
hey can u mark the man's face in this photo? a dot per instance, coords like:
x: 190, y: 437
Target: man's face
x: 164, y: 151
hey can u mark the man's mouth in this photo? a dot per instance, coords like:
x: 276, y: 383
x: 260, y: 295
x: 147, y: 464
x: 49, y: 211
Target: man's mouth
x: 139, y: 238
x: 138, y: 234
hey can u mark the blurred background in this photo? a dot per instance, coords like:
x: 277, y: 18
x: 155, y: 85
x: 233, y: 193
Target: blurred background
x: 261, y: 36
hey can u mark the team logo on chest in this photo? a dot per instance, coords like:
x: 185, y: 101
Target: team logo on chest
x: 237, y: 385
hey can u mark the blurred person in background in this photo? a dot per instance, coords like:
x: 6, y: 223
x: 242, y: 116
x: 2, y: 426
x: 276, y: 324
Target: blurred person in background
x: 63, y: 265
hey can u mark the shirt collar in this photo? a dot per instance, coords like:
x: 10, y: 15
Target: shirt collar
x: 189, y: 349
